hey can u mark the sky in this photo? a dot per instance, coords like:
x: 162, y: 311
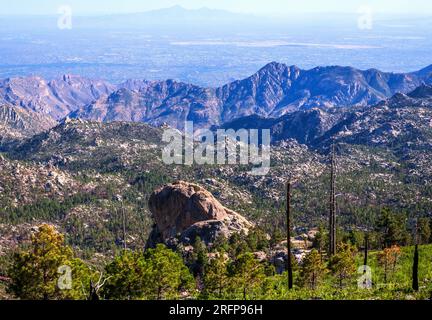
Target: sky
x: 258, y: 7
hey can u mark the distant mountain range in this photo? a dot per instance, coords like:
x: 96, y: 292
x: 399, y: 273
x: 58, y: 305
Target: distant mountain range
x: 275, y: 91
x: 172, y: 15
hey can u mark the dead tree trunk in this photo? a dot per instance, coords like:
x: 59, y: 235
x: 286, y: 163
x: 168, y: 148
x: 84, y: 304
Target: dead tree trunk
x: 415, y: 284
x: 93, y: 295
x: 332, y: 216
x: 415, y: 277
x: 124, y: 226
x: 366, y: 250
x: 288, y: 216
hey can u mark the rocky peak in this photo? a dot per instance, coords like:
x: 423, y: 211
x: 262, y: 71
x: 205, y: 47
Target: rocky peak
x: 276, y: 68
x: 420, y: 97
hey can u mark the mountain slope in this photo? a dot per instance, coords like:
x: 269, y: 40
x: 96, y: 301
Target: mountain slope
x: 18, y: 123
x: 80, y: 144
x: 274, y: 91
x: 382, y: 154
x: 402, y: 122
x: 56, y: 98
x: 156, y: 102
x: 304, y: 126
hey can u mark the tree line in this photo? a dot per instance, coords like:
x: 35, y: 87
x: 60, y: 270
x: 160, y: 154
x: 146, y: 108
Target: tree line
x: 230, y: 269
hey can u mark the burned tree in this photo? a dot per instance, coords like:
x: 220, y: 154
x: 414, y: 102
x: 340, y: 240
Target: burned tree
x: 415, y: 275
x: 288, y: 217
x: 332, y: 215
x: 94, y: 288
x: 415, y: 283
x: 366, y: 249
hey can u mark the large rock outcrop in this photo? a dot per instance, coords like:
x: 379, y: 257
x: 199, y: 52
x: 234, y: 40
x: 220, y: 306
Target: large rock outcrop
x: 183, y: 211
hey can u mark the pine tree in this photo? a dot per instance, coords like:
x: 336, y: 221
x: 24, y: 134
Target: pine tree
x: 220, y: 244
x: 166, y: 275
x: 257, y: 240
x: 237, y: 245
x: 312, y: 270
x: 343, y: 263
x: 246, y: 273
x: 276, y: 237
x: 321, y: 241
x: 199, y: 258
x: 216, y: 276
x: 36, y: 274
x: 392, y: 228
x: 126, y: 277
x: 424, y: 230
x: 158, y: 274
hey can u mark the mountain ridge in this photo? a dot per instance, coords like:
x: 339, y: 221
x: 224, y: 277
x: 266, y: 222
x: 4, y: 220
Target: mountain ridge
x: 272, y: 92
x: 275, y: 90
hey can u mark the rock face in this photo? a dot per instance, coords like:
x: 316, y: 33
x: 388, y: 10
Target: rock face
x: 183, y: 211
x: 155, y: 103
x: 19, y: 123
x: 55, y: 98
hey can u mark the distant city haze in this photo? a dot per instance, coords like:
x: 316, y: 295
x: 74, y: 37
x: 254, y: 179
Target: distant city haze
x: 259, y: 7
x: 209, y: 43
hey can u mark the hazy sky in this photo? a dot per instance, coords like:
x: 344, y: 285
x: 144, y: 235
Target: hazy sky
x: 263, y: 7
